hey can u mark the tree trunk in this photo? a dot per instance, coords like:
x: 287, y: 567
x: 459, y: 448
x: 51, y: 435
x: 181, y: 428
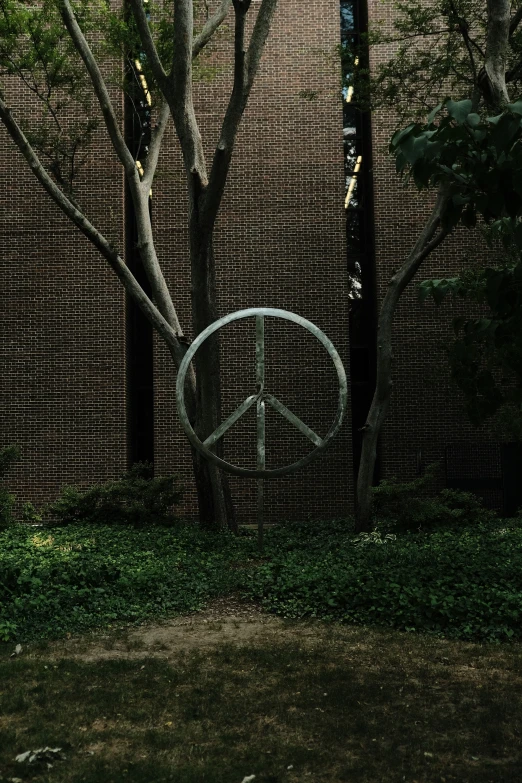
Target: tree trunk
x: 431, y: 236
x: 216, y: 508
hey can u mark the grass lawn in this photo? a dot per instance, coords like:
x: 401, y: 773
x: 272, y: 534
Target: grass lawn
x: 216, y: 698
x: 291, y: 702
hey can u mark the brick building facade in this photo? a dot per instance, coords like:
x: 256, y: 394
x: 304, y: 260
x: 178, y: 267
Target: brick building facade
x: 72, y: 393
x: 279, y: 242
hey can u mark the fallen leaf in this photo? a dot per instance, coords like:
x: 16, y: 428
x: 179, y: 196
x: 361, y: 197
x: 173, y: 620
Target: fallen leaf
x: 46, y: 754
x: 248, y: 779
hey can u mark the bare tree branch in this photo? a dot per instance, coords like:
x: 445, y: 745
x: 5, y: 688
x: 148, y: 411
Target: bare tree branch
x: 157, y: 133
x: 497, y: 42
x: 139, y: 191
x: 149, y: 46
x: 211, y: 25
x: 258, y: 39
x: 246, y: 65
x: 463, y: 28
x: 98, y: 83
x: 115, y: 261
x: 517, y: 18
x: 182, y: 108
x: 431, y: 236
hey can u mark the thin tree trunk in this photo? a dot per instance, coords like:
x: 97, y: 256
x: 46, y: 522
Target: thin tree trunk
x: 214, y: 495
x: 432, y: 235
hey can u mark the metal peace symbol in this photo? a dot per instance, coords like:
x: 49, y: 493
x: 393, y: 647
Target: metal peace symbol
x: 261, y: 398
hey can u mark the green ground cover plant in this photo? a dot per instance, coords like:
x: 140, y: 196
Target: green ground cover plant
x: 62, y: 580
x: 461, y: 582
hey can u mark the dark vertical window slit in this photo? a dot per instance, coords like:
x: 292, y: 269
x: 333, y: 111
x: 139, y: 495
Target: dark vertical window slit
x: 359, y: 219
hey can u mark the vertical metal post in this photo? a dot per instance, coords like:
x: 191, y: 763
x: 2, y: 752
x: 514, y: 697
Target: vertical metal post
x: 260, y: 379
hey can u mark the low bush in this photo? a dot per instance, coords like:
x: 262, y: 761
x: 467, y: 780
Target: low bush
x: 415, y: 506
x: 69, y: 579
x: 465, y: 584
x: 137, y: 498
x: 8, y: 455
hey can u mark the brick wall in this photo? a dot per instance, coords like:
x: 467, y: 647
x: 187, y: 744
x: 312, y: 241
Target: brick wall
x: 62, y: 394
x: 279, y: 243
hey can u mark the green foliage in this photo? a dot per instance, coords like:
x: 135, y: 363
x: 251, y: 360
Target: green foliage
x: 432, y: 50
x: 486, y: 354
x: 465, y: 584
x: 414, y: 506
x: 59, y: 580
x: 8, y: 455
x: 30, y: 515
x: 38, y: 55
x: 137, y: 498
x: 478, y: 160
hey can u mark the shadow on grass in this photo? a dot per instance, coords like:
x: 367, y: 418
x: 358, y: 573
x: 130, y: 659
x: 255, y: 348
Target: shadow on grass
x: 347, y: 705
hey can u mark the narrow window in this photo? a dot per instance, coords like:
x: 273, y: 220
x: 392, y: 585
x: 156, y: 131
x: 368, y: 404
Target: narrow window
x: 359, y: 219
x: 140, y: 364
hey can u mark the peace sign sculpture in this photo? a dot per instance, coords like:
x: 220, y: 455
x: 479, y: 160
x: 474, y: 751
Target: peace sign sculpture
x: 261, y: 398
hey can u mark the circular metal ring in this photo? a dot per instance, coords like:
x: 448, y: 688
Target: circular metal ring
x: 320, y: 443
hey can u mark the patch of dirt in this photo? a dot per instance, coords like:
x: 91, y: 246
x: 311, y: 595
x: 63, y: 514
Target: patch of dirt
x: 224, y: 621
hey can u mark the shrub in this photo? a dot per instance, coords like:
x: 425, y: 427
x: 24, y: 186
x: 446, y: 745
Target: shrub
x: 62, y: 580
x: 137, y: 498
x: 413, y: 506
x: 465, y: 584
x: 8, y: 455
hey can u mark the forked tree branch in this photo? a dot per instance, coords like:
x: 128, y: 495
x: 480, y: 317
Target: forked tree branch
x: 77, y: 217
x: 246, y: 65
x: 210, y: 27
x: 98, y: 83
x: 138, y: 190
x: 431, y: 237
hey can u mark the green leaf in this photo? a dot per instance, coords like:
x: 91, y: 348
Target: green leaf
x: 414, y: 147
x: 473, y: 120
x: 517, y: 235
x: 458, y: 199
x: 516, y: 108
x: 433, y: 113
x: 425, y: 290
x: 400, y: 135
x: 459, y: 110
x: 504, y: 131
